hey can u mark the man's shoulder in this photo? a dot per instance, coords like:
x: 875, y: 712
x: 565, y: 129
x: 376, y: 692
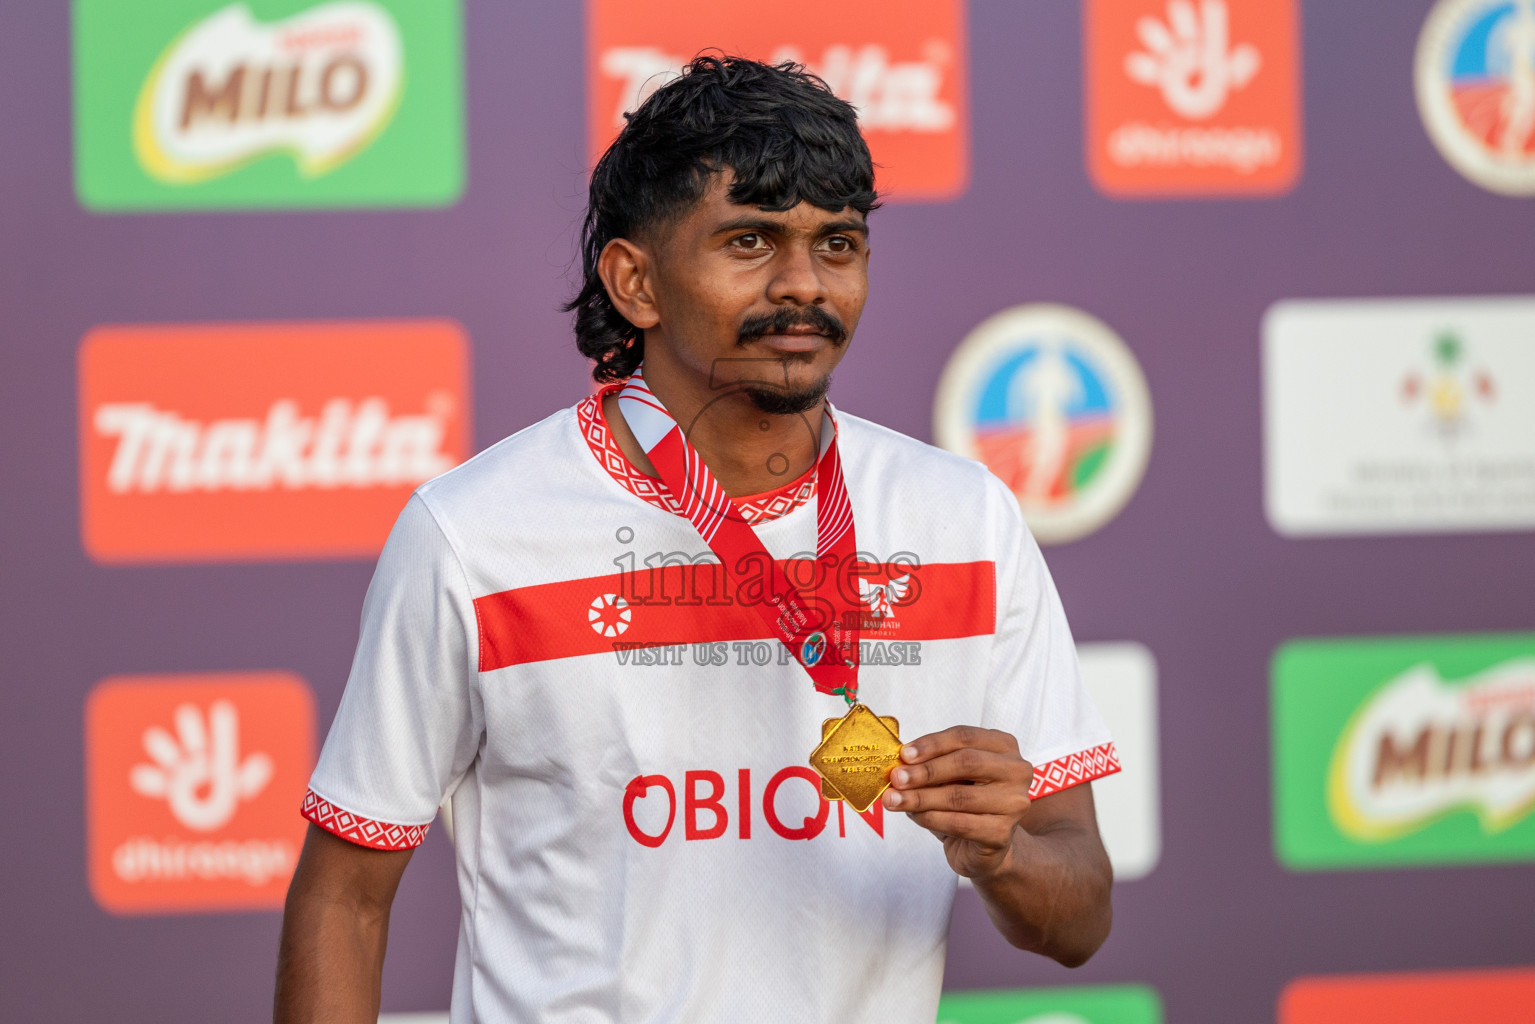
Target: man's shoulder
x: 880, y: 450
x: 534, y: 460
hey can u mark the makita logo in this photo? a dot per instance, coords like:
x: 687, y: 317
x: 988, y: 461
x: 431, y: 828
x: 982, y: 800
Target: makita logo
x: 346, y: 443
x: 900, y: 63
x: 319, y: 85
x: 286, y: 440
x: 1422, y: 747
x: 890, y: 94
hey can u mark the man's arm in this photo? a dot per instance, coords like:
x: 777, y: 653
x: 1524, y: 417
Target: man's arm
x: 1039, y: 866
x: 334, y: 929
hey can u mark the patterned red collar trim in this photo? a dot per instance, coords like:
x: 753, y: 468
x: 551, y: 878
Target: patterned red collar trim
x: 754, y: 509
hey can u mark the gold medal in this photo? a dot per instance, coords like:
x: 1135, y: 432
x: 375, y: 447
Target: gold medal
x: 856, y: 754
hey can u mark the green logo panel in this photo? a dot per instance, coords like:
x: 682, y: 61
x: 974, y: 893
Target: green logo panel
x: 1109, y: 1004
x: 1403, y: 751
x: 267, y: 104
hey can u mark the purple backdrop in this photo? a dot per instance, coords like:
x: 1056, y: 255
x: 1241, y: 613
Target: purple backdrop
x: 1190, y: 567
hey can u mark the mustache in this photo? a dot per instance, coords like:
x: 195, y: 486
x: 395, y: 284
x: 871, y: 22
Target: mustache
x: 780, y: 321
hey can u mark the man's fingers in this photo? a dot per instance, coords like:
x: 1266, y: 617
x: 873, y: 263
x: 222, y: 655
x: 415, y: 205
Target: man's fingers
x: 968, y: 764
x: 936, y: 744
x: 1007, y: 801
x: 984, y: 830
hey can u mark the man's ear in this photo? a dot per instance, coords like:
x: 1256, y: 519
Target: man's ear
x: 625, y: 271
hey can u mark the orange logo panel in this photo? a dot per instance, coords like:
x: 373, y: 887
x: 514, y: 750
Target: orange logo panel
x: 1487, y: 997
x: 263, y: 441
x: 192, y: 788
x: 901, y: 62
x: 1191, y: 97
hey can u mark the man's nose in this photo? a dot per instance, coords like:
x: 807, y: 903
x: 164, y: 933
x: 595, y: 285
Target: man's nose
x: 796, y: 278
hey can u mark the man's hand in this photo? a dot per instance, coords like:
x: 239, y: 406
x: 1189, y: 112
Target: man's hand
x: 969, y: 787
x: 1039, y: 866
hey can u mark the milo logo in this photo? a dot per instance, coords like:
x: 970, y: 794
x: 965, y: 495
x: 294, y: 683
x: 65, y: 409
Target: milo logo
x: 1423, y: 746
x: 319, y: 86
x: 1411, y: 750
x: 267, y: 103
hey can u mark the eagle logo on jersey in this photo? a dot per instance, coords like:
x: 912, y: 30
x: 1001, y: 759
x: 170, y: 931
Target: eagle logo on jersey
x: 882, y: 599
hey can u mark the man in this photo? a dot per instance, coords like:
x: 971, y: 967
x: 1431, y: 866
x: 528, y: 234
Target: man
x: 589, y: 639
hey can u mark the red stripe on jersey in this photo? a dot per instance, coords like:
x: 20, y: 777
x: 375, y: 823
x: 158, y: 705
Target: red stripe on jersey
x: 354, y: 828
x: 1065, y: 772
x: 678, y: 604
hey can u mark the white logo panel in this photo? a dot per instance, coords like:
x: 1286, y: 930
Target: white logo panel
x: 1399, y: 415
x: 1122, y: 680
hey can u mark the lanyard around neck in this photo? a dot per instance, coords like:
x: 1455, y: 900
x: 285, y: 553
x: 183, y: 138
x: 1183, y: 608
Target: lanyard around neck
x: 819, y: 626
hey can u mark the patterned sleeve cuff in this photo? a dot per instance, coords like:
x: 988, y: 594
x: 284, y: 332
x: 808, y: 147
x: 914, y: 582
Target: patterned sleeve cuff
x: 354, y: 828
x: 1073, y: 770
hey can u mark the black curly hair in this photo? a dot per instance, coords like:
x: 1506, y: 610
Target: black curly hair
x: 782, y: 133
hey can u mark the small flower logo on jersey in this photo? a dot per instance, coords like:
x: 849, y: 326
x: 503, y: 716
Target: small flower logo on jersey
x: 191, y: 784
x: 320, y: 85
x: 199, y: 772
x: 900, y: 62
x: 1192, y: 96
x: 263, y: 441
x: 1055, y: 404
x: 609, y: 615
x: 1475, y: 79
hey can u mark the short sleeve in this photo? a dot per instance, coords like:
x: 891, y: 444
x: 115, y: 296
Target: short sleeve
x: 1034, y: 687
x: 410, y: 719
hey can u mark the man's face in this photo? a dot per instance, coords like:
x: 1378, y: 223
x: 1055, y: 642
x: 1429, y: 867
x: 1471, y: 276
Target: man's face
x: 766, y: 301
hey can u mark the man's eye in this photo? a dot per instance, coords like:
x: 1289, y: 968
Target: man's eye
x: 750, y: 241
x: 839, y: 243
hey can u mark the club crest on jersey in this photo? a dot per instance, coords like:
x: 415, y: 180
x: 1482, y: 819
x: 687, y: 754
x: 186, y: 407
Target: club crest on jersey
x: 881, y: 599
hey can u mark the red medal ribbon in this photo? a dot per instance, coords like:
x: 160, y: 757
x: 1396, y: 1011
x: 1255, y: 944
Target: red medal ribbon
x: 820, y: 628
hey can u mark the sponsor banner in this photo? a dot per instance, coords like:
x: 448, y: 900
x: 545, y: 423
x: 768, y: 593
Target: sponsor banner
x: 1475, y: 78
x: 263, y: 441
x: 1414, y: 750
x: 1103, y: 1004
x: 902, y: 63
x: 1487, y: 997
x: 1122, y: 680
x: 1193, y: 97
x: 1399, y: 415
x: 1055, y: 404
x: 267, y: 103
x: 191, y: 784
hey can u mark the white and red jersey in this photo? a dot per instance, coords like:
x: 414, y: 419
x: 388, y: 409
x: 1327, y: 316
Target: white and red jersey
x: 639, y: 837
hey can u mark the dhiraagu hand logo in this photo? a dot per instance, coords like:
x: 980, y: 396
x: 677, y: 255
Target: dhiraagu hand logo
x: 267, y: 103
x: 1405, y: 751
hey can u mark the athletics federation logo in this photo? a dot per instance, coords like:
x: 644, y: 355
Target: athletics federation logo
x: 1475, y: 77
x: 191, y: 783
x: 1192, y: 96
x: 1056, y: 406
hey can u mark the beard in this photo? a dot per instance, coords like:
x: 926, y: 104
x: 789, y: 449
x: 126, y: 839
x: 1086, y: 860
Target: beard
x: 787, y: 401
